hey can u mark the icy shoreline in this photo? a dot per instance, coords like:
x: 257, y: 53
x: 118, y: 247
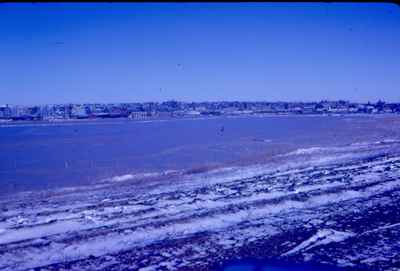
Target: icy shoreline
x: 303, y: 210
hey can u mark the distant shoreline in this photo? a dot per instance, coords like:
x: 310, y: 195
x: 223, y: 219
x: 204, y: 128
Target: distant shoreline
x: 14, y: 123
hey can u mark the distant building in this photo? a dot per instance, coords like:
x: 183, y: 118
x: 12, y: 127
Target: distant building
x: 5, y: 112
x: 164, y: 114
x: 308, y: 109
x: 79, y: 112
x: 139, y: 115
x: 192, y: 113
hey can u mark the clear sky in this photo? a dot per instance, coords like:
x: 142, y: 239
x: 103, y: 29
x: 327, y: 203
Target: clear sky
x: 59, y: 53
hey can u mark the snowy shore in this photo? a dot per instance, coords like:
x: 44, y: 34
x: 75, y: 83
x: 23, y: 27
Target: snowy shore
x: 337, y: 206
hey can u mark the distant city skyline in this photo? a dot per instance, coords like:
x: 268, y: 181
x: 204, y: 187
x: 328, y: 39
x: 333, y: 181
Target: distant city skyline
x: 137, y: 52
x: 200, y: 101
x: 175, y: 109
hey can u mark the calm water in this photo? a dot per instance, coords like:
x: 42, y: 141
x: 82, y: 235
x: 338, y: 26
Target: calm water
x: 44, y: 156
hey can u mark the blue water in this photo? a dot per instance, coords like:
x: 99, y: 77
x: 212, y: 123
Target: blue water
x: 66, y: 154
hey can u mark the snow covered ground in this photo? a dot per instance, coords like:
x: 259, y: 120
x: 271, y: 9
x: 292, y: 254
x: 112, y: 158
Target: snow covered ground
x: 337, y: 206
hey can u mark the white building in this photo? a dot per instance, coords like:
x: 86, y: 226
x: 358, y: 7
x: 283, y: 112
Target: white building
x: 138, y: 115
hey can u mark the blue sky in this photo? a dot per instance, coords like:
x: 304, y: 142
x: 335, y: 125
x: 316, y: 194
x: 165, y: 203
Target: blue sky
x: 59, y: 53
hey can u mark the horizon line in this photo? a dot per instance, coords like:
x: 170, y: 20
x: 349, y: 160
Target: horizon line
x: 203, y: 101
